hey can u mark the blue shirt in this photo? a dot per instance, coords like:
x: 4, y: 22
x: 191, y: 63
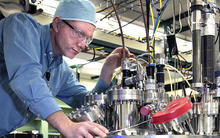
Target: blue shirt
x: 25, y: 57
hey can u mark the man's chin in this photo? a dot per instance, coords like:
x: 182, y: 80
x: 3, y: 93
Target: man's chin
x: 70, y: 56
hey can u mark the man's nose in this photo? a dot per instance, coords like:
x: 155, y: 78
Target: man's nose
x: 82, y: 44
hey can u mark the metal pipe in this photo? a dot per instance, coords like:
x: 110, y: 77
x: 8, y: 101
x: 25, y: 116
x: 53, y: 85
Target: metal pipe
x: 208, y: 38
x: 196, y: 6
x: 145, y: 23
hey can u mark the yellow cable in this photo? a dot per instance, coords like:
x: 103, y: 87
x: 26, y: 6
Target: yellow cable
x: 155, y: 33
x: 154, y: 37
x: 182, y: 77
x: 160, y: 3
x: 171, y: 83
x: 157, y: 25
x: 179, y: 73
x: 116, y: 73
x: 98, y: 48
x: 152, y: 15
x: 188, y: 68
x: 98, y: 10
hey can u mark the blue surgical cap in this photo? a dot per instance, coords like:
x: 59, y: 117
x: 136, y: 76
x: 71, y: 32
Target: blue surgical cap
x: 76, y: 10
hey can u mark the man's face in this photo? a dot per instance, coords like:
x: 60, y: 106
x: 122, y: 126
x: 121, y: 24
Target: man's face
x: 72, y: 37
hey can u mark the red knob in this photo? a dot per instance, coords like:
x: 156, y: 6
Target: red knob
x: 145, y: 110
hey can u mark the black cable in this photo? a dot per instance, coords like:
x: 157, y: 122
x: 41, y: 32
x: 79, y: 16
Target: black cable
x: 148, y: 24
x: 110, y: 13
x: 127, y: 9
x: 152, y: 48
x: 111, y: 6
x: 217, y: 35
x: 118, y: 8
x: 93, y: 54
x: 125, y: 24
x: 216, y: 38
x: 148, y: 13
x: 125, y: 4
x: 184, y: 90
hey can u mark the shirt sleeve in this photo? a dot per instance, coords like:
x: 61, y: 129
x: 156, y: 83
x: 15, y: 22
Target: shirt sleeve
x: 72, y: 92
x: 21, y: 40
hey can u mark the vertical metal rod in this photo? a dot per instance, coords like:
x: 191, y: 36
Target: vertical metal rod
x: 196, y: 42
x: 190, y: 127
x: 146, y: 24
x: 197, y: 71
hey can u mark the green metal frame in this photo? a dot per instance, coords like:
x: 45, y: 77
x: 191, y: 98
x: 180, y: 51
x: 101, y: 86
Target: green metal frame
x: 42, y: 126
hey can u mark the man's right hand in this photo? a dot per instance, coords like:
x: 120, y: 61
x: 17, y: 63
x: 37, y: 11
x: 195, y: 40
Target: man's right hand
x: 71, y: 129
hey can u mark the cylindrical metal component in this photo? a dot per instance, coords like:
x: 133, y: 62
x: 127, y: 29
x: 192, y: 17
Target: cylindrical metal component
x: 125, y: 71
x: 218, y: 86
x: 160, y: 73
x: 160, y: 64
x: 123, y: 105
x: 88, y: 113
x: 150, y: 71
x: 125, y: 75
x: 197, y: 70
x: 160, y: 58
x: 196, y: 20
x: 206, y: 125
x: 209, y: 108
x: 123, y: 114
x: 150, y: 93
x: 217, y: 76
x: 125, y: 64
x: 133, y: 80
x: 124, y: 95
x: 133, y: 73
x: 208, y: 39
x: 196, y: 41
x: 196, y: 2
x: 209, y: 26
x: 208, y: 58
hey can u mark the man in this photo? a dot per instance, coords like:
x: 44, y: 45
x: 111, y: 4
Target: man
x: 32, y: 70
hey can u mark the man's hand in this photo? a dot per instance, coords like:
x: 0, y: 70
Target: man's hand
x: 85, y: 130
x: 71, y: 129
x: 112, y: 62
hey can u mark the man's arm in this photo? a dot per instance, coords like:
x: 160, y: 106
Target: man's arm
x: 22, y: 54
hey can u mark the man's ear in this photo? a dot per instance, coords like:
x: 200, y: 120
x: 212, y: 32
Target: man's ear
x: 56, y: 23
